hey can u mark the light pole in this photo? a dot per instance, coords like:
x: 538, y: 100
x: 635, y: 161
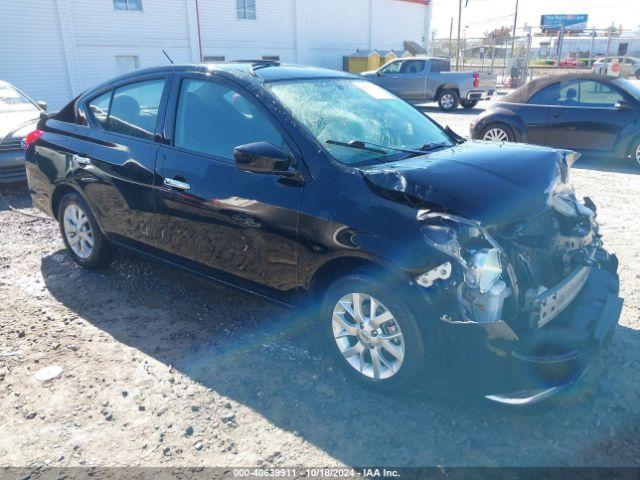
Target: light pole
x: 458, y: 41
x: 513, y: 35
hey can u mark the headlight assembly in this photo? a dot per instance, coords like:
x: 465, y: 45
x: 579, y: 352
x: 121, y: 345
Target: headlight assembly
x: 484, y: 269
x: 468, y: 243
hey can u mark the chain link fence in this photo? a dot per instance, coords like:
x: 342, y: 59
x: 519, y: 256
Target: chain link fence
x: 515, y: 60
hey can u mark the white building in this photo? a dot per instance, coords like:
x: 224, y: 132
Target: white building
x: 55, y: 49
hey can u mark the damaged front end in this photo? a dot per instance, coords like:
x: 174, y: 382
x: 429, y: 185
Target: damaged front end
x: 538, y: 293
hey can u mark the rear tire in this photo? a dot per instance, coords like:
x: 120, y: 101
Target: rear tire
x: 448, y: 100
x: 497, y: 132
x: 468, y: 104
x: 398, y: 347
x: 81, y: 234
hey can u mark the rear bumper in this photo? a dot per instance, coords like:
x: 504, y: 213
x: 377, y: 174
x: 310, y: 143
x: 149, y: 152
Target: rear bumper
x: 524, y: 369
x: 480, y: 94
x: 12, y: 166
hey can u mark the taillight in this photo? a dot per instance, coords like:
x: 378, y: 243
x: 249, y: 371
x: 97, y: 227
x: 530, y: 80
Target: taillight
x: 30, y: 138
x: 476, y: 80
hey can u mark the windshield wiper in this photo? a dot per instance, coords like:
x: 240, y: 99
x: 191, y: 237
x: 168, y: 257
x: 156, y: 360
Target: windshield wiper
x: 426, y: 148
x: 362, y: 145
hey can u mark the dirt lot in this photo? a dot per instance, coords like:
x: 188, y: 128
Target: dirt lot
x: 162, y: 368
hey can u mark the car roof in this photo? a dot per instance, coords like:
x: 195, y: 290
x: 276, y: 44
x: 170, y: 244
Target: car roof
x: 524, y: 93
x: 249, y: 72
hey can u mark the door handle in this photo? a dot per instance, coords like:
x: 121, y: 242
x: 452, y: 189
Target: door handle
x: 80, y: 160
x: 555, y: 114
x: 177, y: 184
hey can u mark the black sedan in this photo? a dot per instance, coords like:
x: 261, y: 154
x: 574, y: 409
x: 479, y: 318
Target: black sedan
x: 412, y: 249
x: 588, y: 113
x: 18, y: 117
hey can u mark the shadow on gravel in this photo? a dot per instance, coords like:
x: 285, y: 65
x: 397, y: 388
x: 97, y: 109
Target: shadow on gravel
x: 607, y: 164
x: 261, y: 356
x: 14, y: 195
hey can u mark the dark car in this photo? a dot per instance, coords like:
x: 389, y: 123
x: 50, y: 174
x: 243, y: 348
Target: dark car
x: 18, y: 116
x: 415, y: 253
x: 586, y: 113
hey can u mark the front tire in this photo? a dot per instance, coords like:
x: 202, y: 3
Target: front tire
x: 85, y: 243
x: 448, y: 100
x: 372, y: 334
x: 468, y: 104
x: 497, y: 132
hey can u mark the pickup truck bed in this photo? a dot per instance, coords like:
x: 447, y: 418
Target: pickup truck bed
x: 420, y: 80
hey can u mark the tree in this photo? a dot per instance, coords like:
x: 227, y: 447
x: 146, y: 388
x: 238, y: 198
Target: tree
x: 500, y: 34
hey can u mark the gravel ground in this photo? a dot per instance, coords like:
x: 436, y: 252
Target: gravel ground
x: 159, y: 367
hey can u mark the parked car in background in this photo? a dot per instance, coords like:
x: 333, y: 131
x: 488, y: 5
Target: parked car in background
x: 420, y: 80
x: 628, y: 66
x: 570, y: 63
x: 18, y: 116
x: 588, y: 113
x: 414, y: 251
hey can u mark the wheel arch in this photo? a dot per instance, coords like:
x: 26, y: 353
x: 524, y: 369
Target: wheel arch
x: 337, y: 267
x: 58, y: 193
x: 447, y: 86
x: 504, y: 117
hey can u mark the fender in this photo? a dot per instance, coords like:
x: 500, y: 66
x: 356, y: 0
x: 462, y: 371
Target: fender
x: 501, y: 114
x: 626, y: 139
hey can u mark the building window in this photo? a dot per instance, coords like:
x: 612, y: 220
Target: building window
x: 246, y: 9
x: 214, y: 59
x: 271, y: 58
x: 127, y: 4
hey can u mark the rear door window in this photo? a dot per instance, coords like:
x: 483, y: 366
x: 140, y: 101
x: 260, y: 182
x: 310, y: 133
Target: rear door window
x: 134, y: 109
x: 439, y: 66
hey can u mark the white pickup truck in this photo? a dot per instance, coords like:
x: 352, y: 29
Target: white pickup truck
x: 424, y: 79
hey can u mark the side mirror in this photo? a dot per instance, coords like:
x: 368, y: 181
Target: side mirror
x: 622, y: 105
x: 379, y: 73
x: 42, y: 105
x: 262, y: 157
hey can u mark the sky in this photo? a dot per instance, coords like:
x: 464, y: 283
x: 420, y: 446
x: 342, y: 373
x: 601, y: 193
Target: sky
x: 485, y: 15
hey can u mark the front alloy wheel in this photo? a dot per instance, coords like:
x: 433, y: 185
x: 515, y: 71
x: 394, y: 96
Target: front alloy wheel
x: 373, y: 334
x: 496, y: 134
x: 368, y: 336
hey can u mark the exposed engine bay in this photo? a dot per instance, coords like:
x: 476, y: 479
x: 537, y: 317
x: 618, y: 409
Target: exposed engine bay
x: 529, y: 269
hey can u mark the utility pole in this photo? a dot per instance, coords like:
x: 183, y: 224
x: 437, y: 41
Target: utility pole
x: 515, y: 21
x: 593, y: 39
x: 458, y: 42
x: 606, y: 53
x: 560, y: 42
x: 450, y: 36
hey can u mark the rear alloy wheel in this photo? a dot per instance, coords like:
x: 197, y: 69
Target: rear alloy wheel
x: 497, y: 133
x: 372, y: 334
x: 82, y: 236
x: 448, y: 100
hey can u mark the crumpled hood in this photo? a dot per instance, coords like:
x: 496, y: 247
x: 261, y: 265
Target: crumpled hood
x: 489, y: 182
